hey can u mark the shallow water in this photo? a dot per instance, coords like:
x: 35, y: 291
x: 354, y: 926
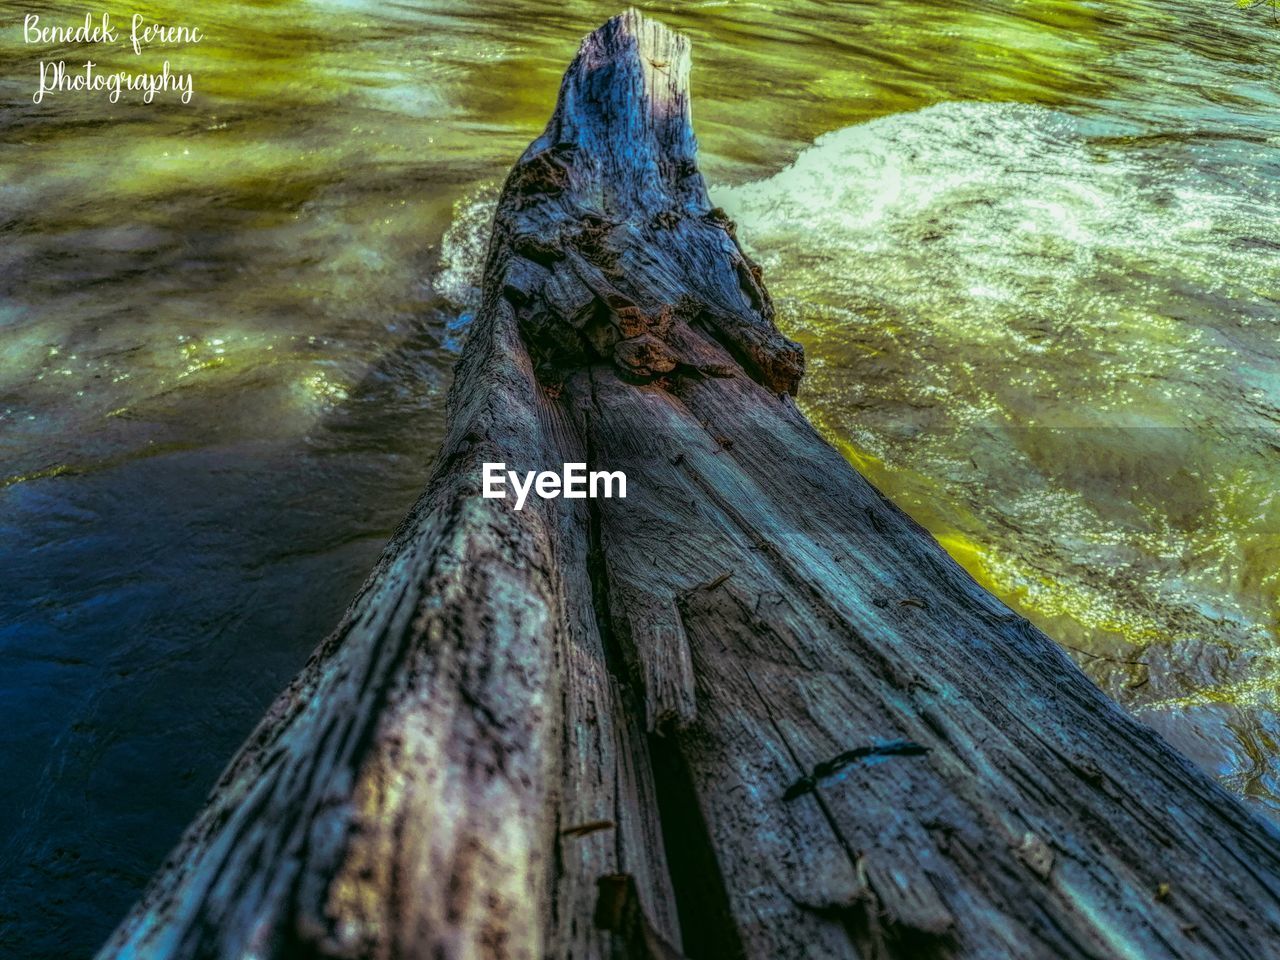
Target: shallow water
x: 1029, y: 248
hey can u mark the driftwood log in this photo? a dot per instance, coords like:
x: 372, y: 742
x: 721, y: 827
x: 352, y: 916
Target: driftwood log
x: 750, y: 710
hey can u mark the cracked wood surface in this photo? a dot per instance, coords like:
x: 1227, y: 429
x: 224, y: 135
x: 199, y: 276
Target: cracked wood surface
x: 568, y: 731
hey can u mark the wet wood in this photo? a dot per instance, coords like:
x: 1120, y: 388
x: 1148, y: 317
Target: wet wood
x: 752, y: 710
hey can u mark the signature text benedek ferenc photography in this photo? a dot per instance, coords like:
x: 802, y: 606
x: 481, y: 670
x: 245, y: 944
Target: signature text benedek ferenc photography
x: 56, y: 77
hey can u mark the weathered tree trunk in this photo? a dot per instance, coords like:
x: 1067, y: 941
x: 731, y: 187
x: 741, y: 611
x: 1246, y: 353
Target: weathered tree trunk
x: 750, y: 710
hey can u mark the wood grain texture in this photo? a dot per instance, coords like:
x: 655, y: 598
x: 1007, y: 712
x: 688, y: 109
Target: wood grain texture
x: 568, y: 731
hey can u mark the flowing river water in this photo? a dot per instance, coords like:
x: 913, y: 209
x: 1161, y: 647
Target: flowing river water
x: 1030, y: 247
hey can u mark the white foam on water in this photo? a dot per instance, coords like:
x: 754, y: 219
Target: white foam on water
x: 963, y: 209
x: 462, y: 252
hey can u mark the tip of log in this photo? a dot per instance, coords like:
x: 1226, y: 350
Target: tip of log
x: 659, y: 54
x: 624, y: 101
x: 606, y: 244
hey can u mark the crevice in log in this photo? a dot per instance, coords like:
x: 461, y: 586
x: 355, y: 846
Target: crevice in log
x: 620, y: 911
x: 705, y: 914
x: 701, y: 901
x: 690, y: 856
x: 619, y: 663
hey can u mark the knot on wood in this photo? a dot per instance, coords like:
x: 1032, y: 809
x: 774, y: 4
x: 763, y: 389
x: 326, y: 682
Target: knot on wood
x: 542, y: 174
x: 592, y: 241
x: 665, y: 220
x: 645, y: 356
x: 540, y: 249
x: 717, y: 217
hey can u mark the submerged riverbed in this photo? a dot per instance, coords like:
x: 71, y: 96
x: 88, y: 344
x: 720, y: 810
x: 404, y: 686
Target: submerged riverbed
x: 1030, y: 249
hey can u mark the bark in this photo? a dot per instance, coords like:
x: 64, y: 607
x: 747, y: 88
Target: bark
x: 751, y: 710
